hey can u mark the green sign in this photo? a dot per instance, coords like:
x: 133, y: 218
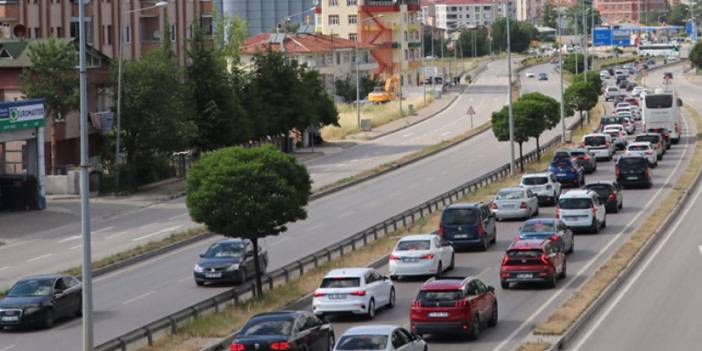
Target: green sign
x: 21, y: 114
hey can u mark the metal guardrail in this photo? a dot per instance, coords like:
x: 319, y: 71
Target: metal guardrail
x: 242, y: 293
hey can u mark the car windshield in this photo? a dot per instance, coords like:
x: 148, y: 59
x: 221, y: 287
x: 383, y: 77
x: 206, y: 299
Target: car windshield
x: 341, y: 282
x: 439, y: 296
x: 534, y: 180
x: 650, y: 138
x: 509, y: 195
x: 459, y: 216
x: 595, y: 140
x: 412, y: 245
x: 267, y: 327
x: 225, y: 250
x: 32, y: 287
x: 631, y: 162
x: 659, y: 101
x: 362, y: 342
x: 638, y: 148
x: 539, y: 227
x: 575, y: 203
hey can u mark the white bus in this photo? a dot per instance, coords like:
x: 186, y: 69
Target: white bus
x: 662, y: 110
x: 668, y: 50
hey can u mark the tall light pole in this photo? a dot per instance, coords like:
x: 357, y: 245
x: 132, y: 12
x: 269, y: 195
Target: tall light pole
x: 584, y: 42
x: 119, y: 81
x: 560, y: 69
x: 509, y: 88
x: 421, y: 58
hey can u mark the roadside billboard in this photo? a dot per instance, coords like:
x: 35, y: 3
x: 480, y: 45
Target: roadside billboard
x: 21, y: 114
x: 608, y: 36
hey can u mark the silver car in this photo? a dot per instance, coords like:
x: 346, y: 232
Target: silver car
x: 515, y: 203
x: 380, y: 338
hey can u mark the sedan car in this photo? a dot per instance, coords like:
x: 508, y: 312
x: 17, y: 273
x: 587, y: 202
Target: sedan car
x: 380, y: 338
x: 41, y: 300
x: 229, y: 260
x: 421, y: 255
x: 353, y: 290
x: 610, y: 193
x: 284, y: 331
x: 515, y: 203
x: 548, y: 228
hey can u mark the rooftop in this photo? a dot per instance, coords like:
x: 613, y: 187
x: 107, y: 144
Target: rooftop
x: 296, y: 43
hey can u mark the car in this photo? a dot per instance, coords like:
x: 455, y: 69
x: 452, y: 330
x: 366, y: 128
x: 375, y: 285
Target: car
x: 629, y: 125
x: 582, y: 210
x: 623, y: 84
x: 380, y: 338
x: 644, y: 148
x: 565, y: 154
x: 645, y: 92
x: 665, y: 134
x: 543, y: 76
x: 453, y: 306
x: 468, y: 225
x: 544, y: 185
x: 633, y: 170
x: 530, y: 75
x: 229, y: 261
x: 284, y: 331
x: 633, y: 100
x: 631, y: 85
x: 656, y: 141
x: 353, y: 290
x: 636, y: 91
x: 517, y: 202
x: 532, y: 260
x: 604, y: 74
x: 548, y: 228
x: 608, y: 120
x: 618, y: 136
x: 420, y: 255
x: 599, y: 144
x: 610, y: 193
x: 567, y: 171
x: 41, y: 300
x: 611, y: 93
x: 585, y: 159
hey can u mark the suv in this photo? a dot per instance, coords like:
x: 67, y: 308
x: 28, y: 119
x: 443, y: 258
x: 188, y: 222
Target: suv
x: 633, y: 169
x: 544, y: 185
x: 599, y: 144
x: 610, y: 194
x: 567, y: 171
x: 605, y: 121
x: 453, y: 305
x: 585, y: 159
x: 656, y: 141
x: 532, y: 260
x: 582, y: 209
x: 468, y: 225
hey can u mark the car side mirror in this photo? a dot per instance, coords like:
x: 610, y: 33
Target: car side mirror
x: 385, y: 277
x: 58, y: 292
x: 491, y: 288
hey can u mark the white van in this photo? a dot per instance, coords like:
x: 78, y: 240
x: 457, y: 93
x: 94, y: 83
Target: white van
x: 662, y: 110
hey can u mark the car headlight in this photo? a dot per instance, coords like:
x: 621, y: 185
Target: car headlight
x: 233, y: 267
x: 199, y: 269
x: 32, y: 309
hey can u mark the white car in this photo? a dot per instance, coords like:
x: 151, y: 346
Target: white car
x: 380, y: 338
x: 417, y: 255
x: 599, y: 144
x: 353, y: 290
x: 644, y: 148
x: 544, y: 185
x: 515, y: 203
x: 604, y: 74
x: 530, y: 75
x: 611, y: 93
x: 582, y: 209
x: 629, y: 125
x: 636, y: 91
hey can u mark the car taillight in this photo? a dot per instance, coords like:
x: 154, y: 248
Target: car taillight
x: 416, y: 303
x: 677, y: 128
x: 572, y: 169
x: 594, y: 210
x: 427, y: 257
x: 280, y: 346
x: 523, y: 205
x: 586, y: 157
x: 359, y: 293
x: 612, y: 196
x: 606, y: 143
x: 318, y: 294
x: 481, y: 229
x: 442, y: 230
x: 460, y: 303
x: 554, y: 237
x: 648, y: 172
x: 617, y: 171
x: 394, y: 258
x: 493, y: 206
x: 544, y: 259
x: 558, y: 212
x: 582, y: 144
x: 235, y: 346
x: 649, y: 152
x: 504, y: 260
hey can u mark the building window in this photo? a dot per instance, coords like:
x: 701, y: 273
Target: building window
x: 149, y: 29
x: 88, y: 29
x: 333, y: 20
x: 59, y: 32
x: 333, y: 2
x: 353, y: 19
x: 351, y: 2
x: 108, y: 35
x: 353, y: 36
x: 206, y: 21
x: 127, y: 34
x: 173, y: 32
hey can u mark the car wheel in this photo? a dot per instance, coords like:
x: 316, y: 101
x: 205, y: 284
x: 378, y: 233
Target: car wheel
x: 554, y: 281
x: 595, y: 226
x: 371, y: 309
x: 439, y: 269
x: 331, y: 343
x: 199, y: 283
x: 504, y: 284
x: 474, y: 332
x: 484, y: 244
x: 48, y: 320
x: 453, y: 262
x: 536, y: 213
x: 393, y: 277
x: 621, y: 205
x: 79, y: 311
x: 604, y: 223
x: 243, y: 275
x: 563, y: 273
x: 493, y: 315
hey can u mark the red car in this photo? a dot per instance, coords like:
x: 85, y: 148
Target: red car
x: 453, y: 305
x: 532, y: 260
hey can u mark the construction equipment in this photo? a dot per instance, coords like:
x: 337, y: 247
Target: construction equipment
x: 383, y: 94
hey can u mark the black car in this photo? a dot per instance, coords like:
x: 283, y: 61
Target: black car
x: 284, y: 331
x: 468, y: 225
x: 605, y: 121
x: 633, y: 170
x: 229, y: 261
x: 610, y: 194
x: 41, y: 300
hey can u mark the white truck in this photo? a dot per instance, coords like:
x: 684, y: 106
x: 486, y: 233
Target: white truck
x: 662, y: 110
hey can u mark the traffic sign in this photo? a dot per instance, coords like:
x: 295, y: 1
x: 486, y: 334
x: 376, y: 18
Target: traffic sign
x: 471, y: 113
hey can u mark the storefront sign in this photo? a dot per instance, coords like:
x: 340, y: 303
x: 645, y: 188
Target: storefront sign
x: 21, y: 114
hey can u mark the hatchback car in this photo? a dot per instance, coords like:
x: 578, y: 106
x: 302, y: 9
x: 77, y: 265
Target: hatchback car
x: 609, y: 120
x: 353, y: 290
x: 468, y: 225
x: 229, y: 261
x: 567, y: 172
x: 453, y: 306
x: 585, y: 159
x: 656, y: 141
x: 643, y: 148
x: 41, y: 300
x: 284, y: 331
x: 380, y: 338
x: 544, y: 185
x: 599, y: 144
x: 582, y: 210
x: 618, y: 137
x: 633, y: 170
x: 610, y: 194
x: 530, y: 75
x: 510, y: 203
x: 548, y: 228
x: 420, y: 255
x: 532, y: 260
x: 665, y: 134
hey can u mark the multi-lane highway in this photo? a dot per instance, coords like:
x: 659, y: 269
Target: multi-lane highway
x: 658, y: 306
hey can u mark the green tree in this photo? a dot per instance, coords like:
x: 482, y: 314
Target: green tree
x: 522, y: 128
x: 678, y: 14
x: 544, y: 111
x: 592, y: 77
x: 577, y: 10
x: 346, y: 88
x: 581, y: 96
x: 318, y: 107
x: 522, y: 33
x: 549, y: 16
x: 571, y: 59
x: 468, y: 38
x: 696, y: 56
x: 248, y: 193
x: 435, y: 42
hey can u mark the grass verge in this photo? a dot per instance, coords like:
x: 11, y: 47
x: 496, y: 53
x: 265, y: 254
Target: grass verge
x: 565, y: 315
x: 534, y: 346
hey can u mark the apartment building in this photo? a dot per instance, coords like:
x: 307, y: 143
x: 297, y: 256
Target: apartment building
x: 618, y: 11
x: 529, y: 10
x: 265, y: 15
x: 454, y: 14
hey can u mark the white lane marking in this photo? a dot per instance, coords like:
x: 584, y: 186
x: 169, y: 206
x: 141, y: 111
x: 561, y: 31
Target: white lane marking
x: 4, y: 268
x: 116, y: 235
x: 170, y: 229
x: 340, y: 165
x: 40, y: 257
x: 7, y: 348
x: 446, y: 133
x: 640, y: 271
x: 145, y: 263
x: 407, y: 135
x: 18, y: 243
x: 103, y: 230
x: 179, y: 216
x: 183, y: 280
x: 147, y: 225
x: 603, y: 250
x: 70, y: 238
x: 75, y: 247
x: 138, y: 297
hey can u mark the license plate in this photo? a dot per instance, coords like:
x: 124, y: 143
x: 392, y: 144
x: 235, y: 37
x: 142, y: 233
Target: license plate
x: 460, y: 236
x: 438, y: 314
x: 632, y: 178
x: 213, y: 275
x: 410, y: 259
x: 561, y: 174
x: 337, y: 296
x: 509, y: 206
x: 525, y: 276
x: 10, y: 318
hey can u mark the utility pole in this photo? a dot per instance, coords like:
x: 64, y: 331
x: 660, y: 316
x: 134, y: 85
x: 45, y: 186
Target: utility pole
x: 560, y: 68
x: 509, y: 88
x: 584, y: 42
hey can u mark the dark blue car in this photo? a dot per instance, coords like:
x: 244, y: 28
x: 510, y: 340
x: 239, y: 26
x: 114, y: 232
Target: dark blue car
x: 468, y: 225
x: 567, y: 172
x: 548, y: 228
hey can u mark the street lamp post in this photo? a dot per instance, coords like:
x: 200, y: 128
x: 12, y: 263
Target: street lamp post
x: 584, y: 42
x: 509, y: 88
x: 560, y: 68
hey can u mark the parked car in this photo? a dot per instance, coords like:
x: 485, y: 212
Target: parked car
x: 633, y: 170
x: 543, y: 76
x: 41, y: 300
x: 610, y: 193
x: 420, y: 255
x: 380, y: 338
x: 548, y: 228
x: 468, y: 225
x: 228, y: 261
x: 515, y: 202
x: 453, y: 306
x: 643, y: 148
x: 585, y: 159
x: 284, y: 331
x: 582, y: 210
x: 599, y: 144
x: 353, y: 290
x: 567, y: 172
x: 533, y: 260
x: 656, y: 141
x: 544, y: 185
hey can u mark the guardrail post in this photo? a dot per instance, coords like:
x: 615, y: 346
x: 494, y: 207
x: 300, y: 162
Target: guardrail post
x: 353, y: 244
x: 286, y: 274
x: 404, y: 220
x: 365, y: 238
x: 302, y: 268
x: 270, y: 282
x: 122, y: 344
x: 174, y: 325
x: 236, y: 297
x: 149, y: 337
x: 341, y: 249
x: 329, y: 254
x: 375, y: 234
x: 316, y: 261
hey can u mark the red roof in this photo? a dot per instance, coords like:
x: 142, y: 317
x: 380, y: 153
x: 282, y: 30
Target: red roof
x: 296, y: 43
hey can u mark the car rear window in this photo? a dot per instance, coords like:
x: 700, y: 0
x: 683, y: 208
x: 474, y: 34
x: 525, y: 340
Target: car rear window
x: 561, y: 154
x: 613, y: 133
x: 362, y: 342
x: 267, y: 327
x: 575, y: 203
x: 659, y: 101
x: 439, y: 296
x: 602, y: 190
x: 649, y: 138
x: 539, y: 227
x: 459, y: 216
x: 595, y: 140
x: 631, y: 162
x: 510, y: 195
x: 578, y: 153
x: 411, y: 245
x: 638, y: 148
x: 534, y: 180
x: 341, y: 282
x: 612, y: 120
x: 524, y: 253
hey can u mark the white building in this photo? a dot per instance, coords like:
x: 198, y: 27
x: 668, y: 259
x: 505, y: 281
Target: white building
x: 529, y: 10
x: 454, y: 14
